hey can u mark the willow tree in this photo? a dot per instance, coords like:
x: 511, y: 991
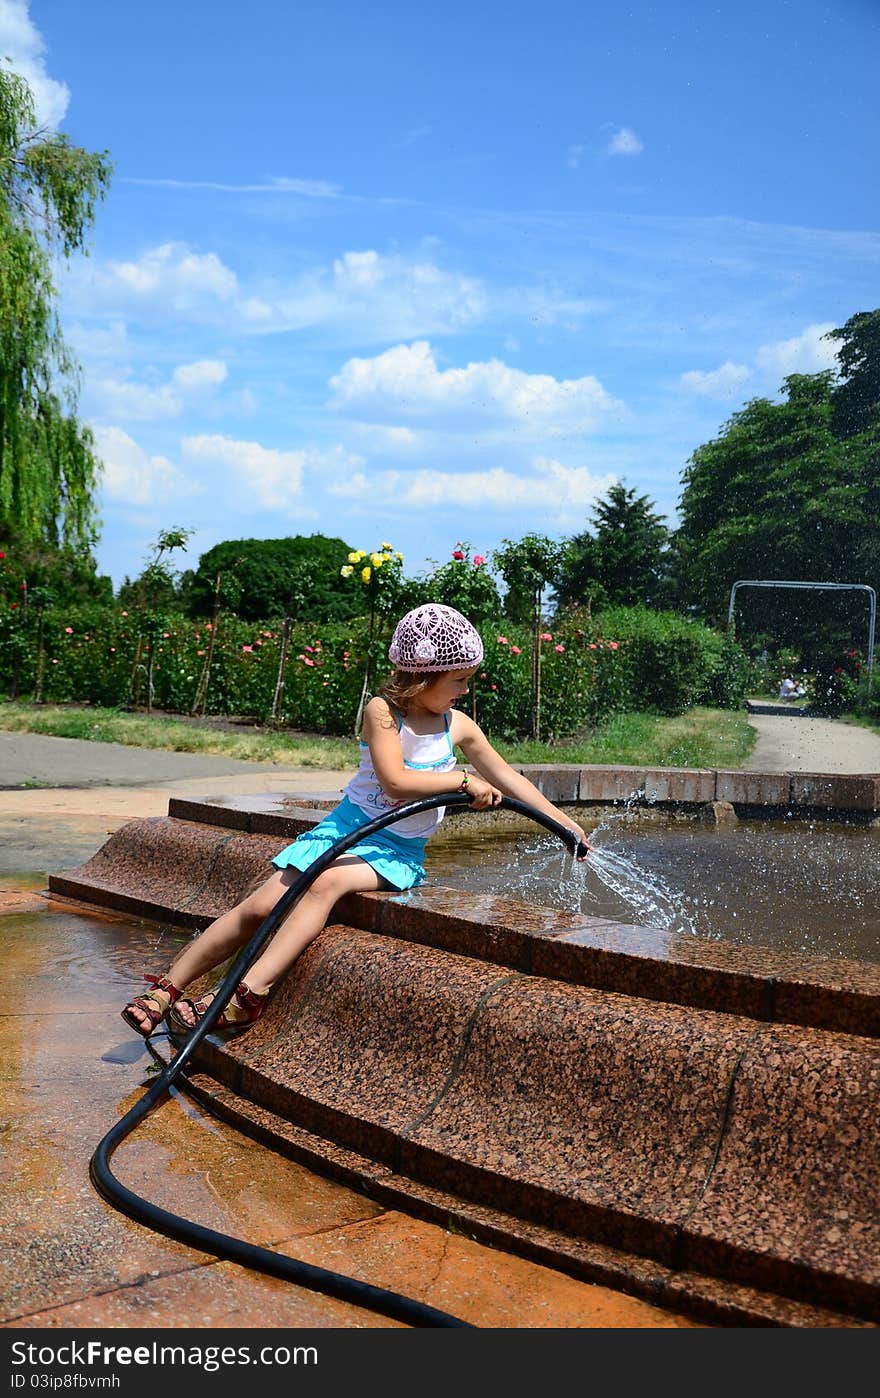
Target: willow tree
x: 48, y: 467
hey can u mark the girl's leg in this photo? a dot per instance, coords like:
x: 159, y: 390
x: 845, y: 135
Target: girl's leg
x: 229, y: 932
x: 348, y: 874
x: 219, y: 941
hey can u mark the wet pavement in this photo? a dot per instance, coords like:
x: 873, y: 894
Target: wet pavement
x: 69, y: 1068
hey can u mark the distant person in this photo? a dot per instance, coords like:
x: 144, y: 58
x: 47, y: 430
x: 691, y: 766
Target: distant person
x: 411, y: 728
x: 788, y: 689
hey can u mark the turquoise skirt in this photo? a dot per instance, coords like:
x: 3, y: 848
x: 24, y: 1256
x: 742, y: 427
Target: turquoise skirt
x: 398, y: 859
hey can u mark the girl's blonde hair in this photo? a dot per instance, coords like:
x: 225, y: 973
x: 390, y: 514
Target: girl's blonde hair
x: 402, y: 687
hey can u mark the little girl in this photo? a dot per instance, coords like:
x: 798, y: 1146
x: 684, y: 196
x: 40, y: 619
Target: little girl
x: 410, y: 731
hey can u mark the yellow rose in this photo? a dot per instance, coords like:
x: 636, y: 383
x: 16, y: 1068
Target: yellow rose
x: 355, y: 557
x: 346, y: 571
x: 366, y: 574
x: 385, y: 547
x: 377, y: 560
x: 399, y: 556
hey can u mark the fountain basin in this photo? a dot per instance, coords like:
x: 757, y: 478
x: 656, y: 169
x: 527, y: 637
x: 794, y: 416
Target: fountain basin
x: 689, y: 1120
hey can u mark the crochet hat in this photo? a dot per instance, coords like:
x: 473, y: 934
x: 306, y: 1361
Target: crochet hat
x: 434, y: 637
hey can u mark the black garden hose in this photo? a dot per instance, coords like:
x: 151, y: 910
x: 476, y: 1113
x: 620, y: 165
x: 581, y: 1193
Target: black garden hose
x: 275, y: 1264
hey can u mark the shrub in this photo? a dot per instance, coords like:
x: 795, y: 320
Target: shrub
x: 670, y: 660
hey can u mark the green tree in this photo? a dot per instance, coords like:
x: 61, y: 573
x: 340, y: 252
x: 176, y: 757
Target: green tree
x: 778, y: 495
x: 578, y: 582
x: 631, y: 542
x: 529, y: 567
x: 466, y: 583
x: 154, y: 592
x: 48, y: 467
x: 267, y: 570
x: 856, y: 399
x: 757, y: 499
x: 625, y: 562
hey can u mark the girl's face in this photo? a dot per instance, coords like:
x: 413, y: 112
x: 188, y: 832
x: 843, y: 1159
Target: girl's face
x: 442, y: 693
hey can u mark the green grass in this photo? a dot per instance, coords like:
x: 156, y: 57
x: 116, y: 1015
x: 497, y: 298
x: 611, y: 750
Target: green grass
x: 699, y: 738
x: 178, y: 735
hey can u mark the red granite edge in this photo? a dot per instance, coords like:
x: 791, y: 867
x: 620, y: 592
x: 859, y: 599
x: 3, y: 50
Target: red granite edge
x: 717, y: 1299
x: 700, y: 1296
x: 773, y: 987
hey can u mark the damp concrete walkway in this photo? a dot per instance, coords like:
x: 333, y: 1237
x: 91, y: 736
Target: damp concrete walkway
x: 790, y: 740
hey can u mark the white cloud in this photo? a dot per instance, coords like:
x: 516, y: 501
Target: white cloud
x: 132, y: 477
x: 376, y: 297
x: 263, y: 477
x: 624, y: 142
x: 545, y: 486
x: 280, y: 184
x: 171, y: 273
x: 139, y: 402
x: 23, y: 45
x: 361, y: 295
x: 135, y: 402
x: 806, y: 353
x: 722, y: 382
x: 201, y: 374
x: 381, y: 437
x: 101, y: 344
x: 406, y: 382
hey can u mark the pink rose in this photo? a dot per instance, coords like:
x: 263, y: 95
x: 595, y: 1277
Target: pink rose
x: 559, y: 649
x: 69, y: 630
x: 515, y: 650
x: 479, y: 560
x: 545, y: 636
x: 502, y: 640
x: 248, y: 648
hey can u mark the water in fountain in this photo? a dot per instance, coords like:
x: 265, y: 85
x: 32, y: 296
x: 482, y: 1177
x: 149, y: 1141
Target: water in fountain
x: 804, y: 886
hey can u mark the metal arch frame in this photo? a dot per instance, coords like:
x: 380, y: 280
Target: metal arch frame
x: 858, y: 587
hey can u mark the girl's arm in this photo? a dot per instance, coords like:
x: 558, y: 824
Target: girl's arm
x: 405, y: 783
x: 492, y: 766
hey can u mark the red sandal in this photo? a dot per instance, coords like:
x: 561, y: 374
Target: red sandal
x: 155, y: 1004
x: 243, y: 1009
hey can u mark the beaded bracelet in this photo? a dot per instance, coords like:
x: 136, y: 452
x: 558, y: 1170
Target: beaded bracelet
x: 465, y: 781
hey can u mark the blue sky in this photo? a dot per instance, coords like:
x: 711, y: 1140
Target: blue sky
x: 430, y: 274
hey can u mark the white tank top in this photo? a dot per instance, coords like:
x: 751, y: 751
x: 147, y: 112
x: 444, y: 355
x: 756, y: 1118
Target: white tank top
x: 423, y: 752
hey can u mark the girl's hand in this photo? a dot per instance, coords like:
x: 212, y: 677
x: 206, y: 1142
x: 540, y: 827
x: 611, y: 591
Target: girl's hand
x: 482, y: 793
x: 584, y: 847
